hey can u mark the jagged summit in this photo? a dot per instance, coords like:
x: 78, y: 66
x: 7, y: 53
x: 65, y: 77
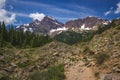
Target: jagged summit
x: 88, y: 23
x: 43, y: 26
x: 49, y: 25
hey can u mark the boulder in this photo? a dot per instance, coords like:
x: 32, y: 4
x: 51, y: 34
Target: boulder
x: 112, y: 76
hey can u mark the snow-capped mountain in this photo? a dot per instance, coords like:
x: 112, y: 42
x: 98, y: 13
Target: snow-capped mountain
x: 88, y: 23
x: 51, y: 26
x: 44, y: 26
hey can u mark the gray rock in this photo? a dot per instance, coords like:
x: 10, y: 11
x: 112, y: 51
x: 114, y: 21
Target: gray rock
x: 112, y: 76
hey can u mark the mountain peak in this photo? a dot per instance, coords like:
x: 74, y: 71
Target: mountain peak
x: 89, y: 23
x: 44, y: 26
x: 50, y: 25
x: 51, y: 17
x: 45, y: 17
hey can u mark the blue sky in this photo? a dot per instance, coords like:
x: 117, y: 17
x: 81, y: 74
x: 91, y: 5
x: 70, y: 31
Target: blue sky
x: 62, y: 10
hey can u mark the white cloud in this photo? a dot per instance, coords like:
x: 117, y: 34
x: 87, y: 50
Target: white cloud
x: 4, y: 14
x: 5, y: 18
x: 38, y: 16
x: 2, y: 3
x: 118, y: 8
x: 19, y: 14
x: 108, y: 12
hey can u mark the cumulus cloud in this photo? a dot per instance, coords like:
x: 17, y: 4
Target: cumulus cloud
x: 118, y: 8
x: 4, y: 14
x: 38, y: 16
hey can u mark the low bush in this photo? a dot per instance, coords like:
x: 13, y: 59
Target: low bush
x: 96, y: 74
x: 5, y: 78
x: 53, y: 73
x: 101, y: 57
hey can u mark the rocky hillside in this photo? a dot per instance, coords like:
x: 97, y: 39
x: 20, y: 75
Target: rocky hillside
x: 22, y: 64
x: 102, y: 53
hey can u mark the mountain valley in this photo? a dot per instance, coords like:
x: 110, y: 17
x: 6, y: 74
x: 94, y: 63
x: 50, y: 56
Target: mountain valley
x: 96, y: 56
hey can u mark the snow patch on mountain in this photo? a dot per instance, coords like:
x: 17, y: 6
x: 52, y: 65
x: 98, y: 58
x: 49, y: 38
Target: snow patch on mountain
x: 105, y: 23
x: 26, y: 24
x: 56, y: 23
x: 83, y: 27
x: 58, y: 29
x: 90, y: 16
x: 25, y: 29
x: 51, y: 17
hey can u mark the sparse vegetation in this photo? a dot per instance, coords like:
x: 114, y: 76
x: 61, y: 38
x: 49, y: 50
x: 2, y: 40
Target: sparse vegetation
x: 101, y: 57
x: 118, y: 27
x: 23, y: 65
x: 5, y: 78
x: 97, y: 74
x: 87, y: 36
x: 53, y: 73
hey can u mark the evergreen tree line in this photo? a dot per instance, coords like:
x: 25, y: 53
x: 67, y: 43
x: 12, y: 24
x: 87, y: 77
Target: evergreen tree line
x: 20, y: 39
x: 71, y: 37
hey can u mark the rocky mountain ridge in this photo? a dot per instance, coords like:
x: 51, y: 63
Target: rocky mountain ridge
x: 88, y: 23
x: 41, y: 27
x: 52, y: 27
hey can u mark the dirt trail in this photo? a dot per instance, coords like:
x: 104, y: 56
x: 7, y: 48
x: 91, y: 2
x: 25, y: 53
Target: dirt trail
x: 79, y: 72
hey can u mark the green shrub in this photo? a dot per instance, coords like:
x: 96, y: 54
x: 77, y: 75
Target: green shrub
x: 87, y: 36
x: 22, y: 65
x: 101, y: 58
x: 5, y: 78
x: 53, y: 73
x: 118, y: 27
x: 2, y: 51
x: 96, y: 74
